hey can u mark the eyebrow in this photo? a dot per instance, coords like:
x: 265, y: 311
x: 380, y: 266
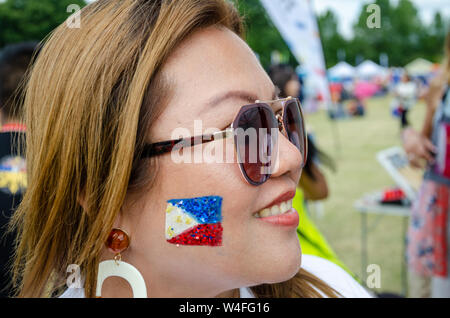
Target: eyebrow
x: 238, y: 94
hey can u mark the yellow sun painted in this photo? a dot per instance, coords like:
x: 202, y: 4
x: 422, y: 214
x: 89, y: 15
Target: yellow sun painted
x: 170, y: 208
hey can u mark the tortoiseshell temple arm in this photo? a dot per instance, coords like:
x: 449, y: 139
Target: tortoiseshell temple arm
x: 163, y: 147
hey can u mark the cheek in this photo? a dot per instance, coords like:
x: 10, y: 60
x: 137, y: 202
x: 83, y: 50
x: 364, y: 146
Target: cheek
x: 193, y: 180
x: 248, y: 249
x: 178, y: 181
x: 208, y: 169
x: 216, y: 178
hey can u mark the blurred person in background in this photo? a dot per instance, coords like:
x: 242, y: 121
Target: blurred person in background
x: 14, y: 61
x: 356, y: 107
x: 405, y: 96
x: 313, y: 184
x: 301, y: 93
x: 429, y: 235
x: 336, y: 94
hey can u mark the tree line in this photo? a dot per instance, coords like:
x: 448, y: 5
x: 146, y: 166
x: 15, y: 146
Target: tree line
x: 402, y: 35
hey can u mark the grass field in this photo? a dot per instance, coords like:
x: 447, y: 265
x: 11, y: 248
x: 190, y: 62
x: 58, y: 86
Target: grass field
x: 353, y: 143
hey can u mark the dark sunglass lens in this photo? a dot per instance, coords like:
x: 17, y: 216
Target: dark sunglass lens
x: 295, y: 129
x: 254, y: 142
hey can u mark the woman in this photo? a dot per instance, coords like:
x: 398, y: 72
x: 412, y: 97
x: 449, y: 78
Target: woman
x: 102, y: 151
x: 405, y: 97
x: 429, y: 235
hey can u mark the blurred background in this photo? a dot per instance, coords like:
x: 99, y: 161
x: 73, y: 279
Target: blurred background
x: 357, y: 74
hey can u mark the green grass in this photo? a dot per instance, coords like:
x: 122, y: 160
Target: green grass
x: 354, y: 143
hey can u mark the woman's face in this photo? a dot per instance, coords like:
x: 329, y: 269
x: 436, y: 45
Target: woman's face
x: 210, y: 63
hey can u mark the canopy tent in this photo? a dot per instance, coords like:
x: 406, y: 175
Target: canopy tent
x: 369, y: 69
x: 419, y: 67
x: 342, y: 70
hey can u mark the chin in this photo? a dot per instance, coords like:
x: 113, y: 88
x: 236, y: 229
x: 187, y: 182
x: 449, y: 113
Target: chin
x: 291, y: 267
x: 284, y: 266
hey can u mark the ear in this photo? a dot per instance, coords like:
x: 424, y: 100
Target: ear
x: 119, y: 222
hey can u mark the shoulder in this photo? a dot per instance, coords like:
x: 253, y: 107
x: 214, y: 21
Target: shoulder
x: 334, y: 276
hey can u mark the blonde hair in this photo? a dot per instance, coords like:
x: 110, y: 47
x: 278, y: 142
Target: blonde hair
x: 92, y: 95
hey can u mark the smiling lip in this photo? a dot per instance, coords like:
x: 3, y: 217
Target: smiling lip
x: 282, y: 198
x: 289, y: 218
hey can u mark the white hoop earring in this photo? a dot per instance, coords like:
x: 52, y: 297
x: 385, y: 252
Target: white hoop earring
x: 124, y: 270
x: 118, y: 241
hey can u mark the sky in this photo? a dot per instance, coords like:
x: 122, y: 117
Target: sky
x: 348, y: 11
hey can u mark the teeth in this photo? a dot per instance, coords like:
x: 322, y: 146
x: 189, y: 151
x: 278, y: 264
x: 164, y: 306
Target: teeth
x: 264, y: 213
x: 275, y: 209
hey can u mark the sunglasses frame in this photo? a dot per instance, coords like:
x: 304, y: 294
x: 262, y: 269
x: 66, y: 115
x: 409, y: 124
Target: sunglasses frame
x: 163, y: 147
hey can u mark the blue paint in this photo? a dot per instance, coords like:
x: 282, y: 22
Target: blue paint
x: 203, y: 209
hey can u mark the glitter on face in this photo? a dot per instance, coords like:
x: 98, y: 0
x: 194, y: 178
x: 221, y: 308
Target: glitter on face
x: 195, y: 221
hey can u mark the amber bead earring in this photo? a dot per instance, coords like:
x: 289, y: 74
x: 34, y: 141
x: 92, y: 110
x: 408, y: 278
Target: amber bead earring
x: 117, y: 242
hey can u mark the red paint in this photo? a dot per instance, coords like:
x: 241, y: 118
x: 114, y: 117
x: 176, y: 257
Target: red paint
x: 13, y: 127
x: 202, y: 234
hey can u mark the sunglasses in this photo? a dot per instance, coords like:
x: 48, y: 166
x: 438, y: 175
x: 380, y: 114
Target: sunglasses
x: 255, y: 129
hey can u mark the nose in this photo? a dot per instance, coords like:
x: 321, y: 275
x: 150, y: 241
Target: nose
x: 289, y: 160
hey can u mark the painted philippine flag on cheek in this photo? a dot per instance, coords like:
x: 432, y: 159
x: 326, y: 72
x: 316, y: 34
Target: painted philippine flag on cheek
x: 195, y: 221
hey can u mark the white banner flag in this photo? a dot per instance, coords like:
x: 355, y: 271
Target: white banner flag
x: 296, y: 22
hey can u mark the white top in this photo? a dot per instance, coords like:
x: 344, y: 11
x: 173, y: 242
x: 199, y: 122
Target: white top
x: 406, y: 90
x: 334, y: 276
x: 407, y: 93
x: 327, y: 271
